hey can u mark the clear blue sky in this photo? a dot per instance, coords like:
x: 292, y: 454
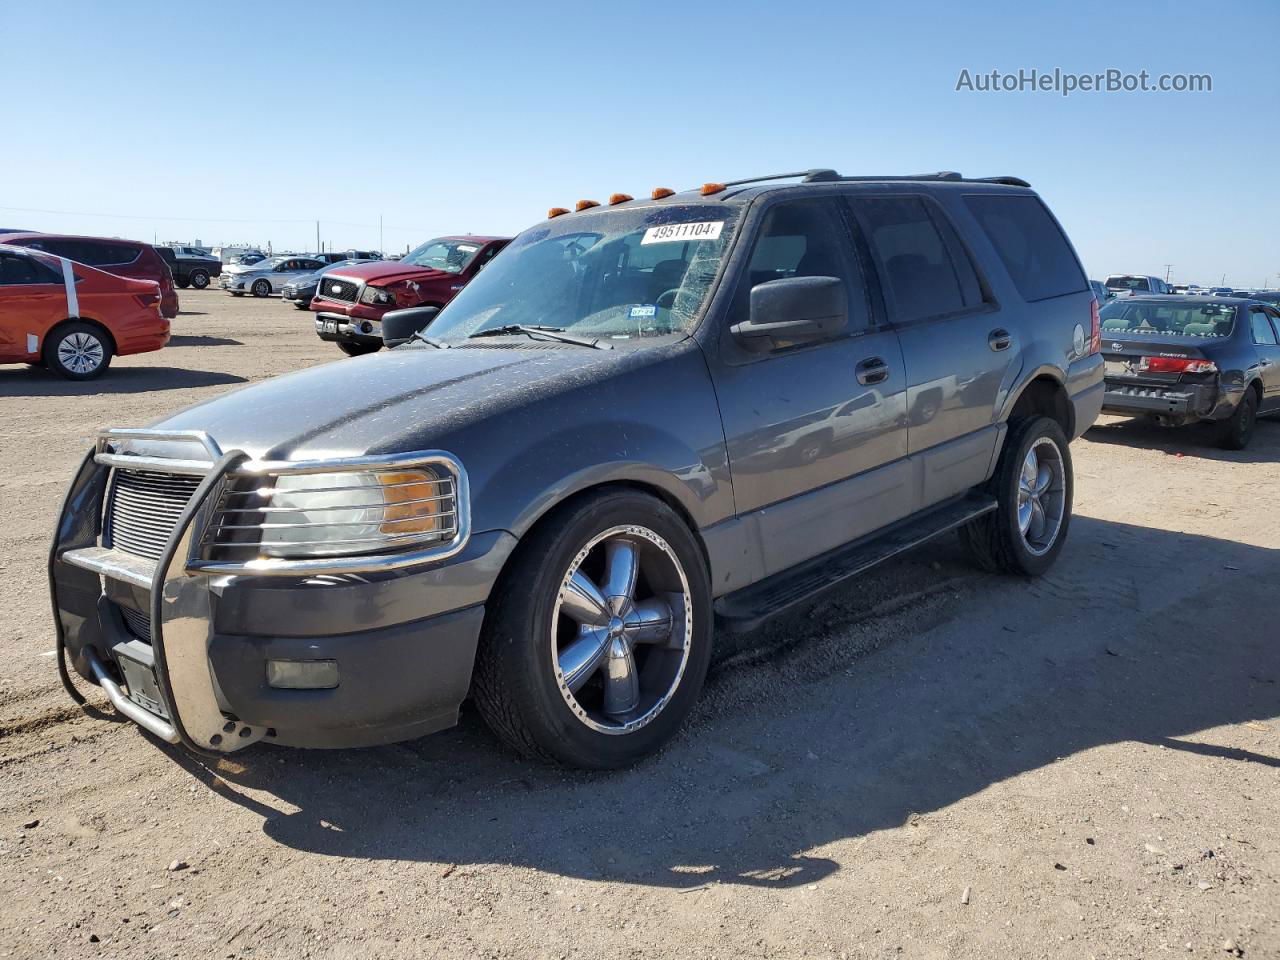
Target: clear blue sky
x: 228, y: 119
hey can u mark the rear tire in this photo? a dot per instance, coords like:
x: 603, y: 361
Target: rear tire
x: 77, y: 351
x: 616, y: 705
x: 199, y: 279
x: 301, y: 305
x: 358, y: 349
x: 180, y: 284
x: 1236, y: 431
x: 1033, y: 486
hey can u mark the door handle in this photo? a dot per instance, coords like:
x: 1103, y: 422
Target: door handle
x: 1000, y: 339
x: 872, y: 370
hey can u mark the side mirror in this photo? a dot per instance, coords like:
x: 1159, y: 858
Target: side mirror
x: 399, y: 326
x: 793, y: 310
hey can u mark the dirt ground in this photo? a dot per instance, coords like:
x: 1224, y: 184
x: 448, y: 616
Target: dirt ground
x: 933, y: 762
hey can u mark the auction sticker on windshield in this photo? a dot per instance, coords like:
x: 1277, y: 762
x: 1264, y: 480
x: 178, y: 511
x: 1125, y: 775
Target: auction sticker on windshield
x: 670, y: 232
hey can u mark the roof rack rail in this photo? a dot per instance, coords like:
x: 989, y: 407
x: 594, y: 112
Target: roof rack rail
x: 826, y: 175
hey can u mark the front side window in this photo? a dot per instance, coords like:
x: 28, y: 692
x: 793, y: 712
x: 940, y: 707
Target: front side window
x: 451, y: 256
x: 1030, y: 244
x: 629, y: 275
x: 803, y: 238
x: 1144, y: 317
x: 915, y: 260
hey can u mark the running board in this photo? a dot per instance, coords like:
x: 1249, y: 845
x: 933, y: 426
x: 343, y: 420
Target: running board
x: 748, y: 608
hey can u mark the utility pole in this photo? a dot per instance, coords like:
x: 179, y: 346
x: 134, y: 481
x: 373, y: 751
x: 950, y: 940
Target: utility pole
x: 1167, y: 268
x: 318, y: 236
x: 379, y: 233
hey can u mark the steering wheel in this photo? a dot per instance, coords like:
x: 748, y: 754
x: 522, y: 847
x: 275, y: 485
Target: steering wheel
x: 574, y: 249
x: 672, y: 293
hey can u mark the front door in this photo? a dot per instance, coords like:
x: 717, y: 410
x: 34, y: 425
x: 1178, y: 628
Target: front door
x: 816, y: 432
x: 32, y: 299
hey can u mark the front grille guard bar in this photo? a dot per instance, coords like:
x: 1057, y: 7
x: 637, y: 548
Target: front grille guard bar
x: 180, y: 606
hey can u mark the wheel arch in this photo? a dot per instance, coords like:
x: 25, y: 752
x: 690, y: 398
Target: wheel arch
x: 89, y: 321
x: 1044, y: 394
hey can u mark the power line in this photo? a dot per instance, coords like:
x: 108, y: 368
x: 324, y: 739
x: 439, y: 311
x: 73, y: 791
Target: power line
x: 135, y: 216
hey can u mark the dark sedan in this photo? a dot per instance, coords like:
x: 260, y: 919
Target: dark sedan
x: 300, y: 290
x: 1185, y: 360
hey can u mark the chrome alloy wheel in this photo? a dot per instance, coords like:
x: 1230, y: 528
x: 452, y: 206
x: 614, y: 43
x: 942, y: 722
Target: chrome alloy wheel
x: 621, y: 629
x: 81, y: 353
x: 1042, y: 497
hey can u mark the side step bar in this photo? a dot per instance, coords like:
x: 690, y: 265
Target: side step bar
x: 747, y: 609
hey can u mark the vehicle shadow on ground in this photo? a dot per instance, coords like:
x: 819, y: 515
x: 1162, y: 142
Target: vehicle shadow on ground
x: 1197, y: 440
x: 826, y: 735
x: 192, y: 313
x: 201, y: 341
x: 41, y: 383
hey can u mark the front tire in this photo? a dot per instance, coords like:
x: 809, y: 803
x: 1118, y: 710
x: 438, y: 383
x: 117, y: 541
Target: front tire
x: 77, y: 351
x: 261, y: 288
x: 358, y: 349
x: 1237, y: 430
x: 199, y: 279
x: 597, y: 638
x: 180, y: 284
x: 1033, y: 485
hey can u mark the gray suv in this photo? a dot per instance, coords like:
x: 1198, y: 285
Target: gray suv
x: 640, y: 420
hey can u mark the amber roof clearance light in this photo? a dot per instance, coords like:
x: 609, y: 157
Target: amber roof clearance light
x: 660, y: 192
x: 617, y: 198
x: 585, y: 205
x: 556, y: 212
x: 709, y: 188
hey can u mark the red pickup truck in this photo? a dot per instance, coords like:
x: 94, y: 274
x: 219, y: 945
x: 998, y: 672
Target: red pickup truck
x: 349, y: 302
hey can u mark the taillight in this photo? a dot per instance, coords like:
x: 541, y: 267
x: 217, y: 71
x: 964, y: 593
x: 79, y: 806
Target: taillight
x: 1175, y: 365
x: 148, y: 300
x: 1095, y: 334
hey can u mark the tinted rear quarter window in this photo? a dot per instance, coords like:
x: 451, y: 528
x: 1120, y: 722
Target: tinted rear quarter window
x: 1030, y: 244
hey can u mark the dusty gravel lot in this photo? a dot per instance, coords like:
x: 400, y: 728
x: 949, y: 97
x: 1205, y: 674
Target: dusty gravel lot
x: 933, y: 762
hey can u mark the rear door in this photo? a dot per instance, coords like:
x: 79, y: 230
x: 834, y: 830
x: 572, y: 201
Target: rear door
x: 33, y: 298
x: 957, y: 345
x: 1264, y: 324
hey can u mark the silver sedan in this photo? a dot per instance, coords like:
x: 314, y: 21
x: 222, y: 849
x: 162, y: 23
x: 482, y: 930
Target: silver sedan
x: 267, y: 276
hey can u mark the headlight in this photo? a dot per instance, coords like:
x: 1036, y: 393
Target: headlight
x: 298, y: 516
x: 378, y: 296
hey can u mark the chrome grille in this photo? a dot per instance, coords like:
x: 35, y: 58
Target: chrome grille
x: 139, y: 624
x: 339, y: 288
x: 143, y: 507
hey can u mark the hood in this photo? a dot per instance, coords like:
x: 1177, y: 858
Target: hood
x: 235, y: 268
x: 382, y: 272
x: 395, y: 401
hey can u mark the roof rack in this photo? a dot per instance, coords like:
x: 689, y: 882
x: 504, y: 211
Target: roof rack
x: 825, y: 175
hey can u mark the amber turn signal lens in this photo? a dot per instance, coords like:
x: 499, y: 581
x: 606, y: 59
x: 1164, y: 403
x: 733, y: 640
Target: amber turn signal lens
x: 709, y: 188
x: 585, y: 205
x: 556, y: 212
x: 409, y: 501
x: 660, y: 192
x: 619, y: 198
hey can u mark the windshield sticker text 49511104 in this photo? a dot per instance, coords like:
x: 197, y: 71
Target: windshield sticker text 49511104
x: 675, y: 232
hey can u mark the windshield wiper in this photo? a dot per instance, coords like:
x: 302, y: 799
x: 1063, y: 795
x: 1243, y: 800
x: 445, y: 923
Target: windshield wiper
x: 536, y: 331
x: 431, y: 341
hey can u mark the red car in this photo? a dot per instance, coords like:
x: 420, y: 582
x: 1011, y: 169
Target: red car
x: 73, y: 318
x: 124, y: 258
x: 350, y: 301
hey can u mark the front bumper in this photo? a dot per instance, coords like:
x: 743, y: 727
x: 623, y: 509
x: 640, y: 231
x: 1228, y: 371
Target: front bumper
x: 233, y: 283
x: 403, y: 639
x: 336, y: 328
x: 1179, y: 403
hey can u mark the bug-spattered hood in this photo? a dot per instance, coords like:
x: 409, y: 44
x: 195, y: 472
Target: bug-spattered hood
x: 391, y: 402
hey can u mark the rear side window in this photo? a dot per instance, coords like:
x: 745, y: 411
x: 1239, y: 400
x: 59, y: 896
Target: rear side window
x: 1262, y: 332
x: 18, y: 270
x: 95, y: 253
x: 1030, y: 244
x: 925, y: 268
